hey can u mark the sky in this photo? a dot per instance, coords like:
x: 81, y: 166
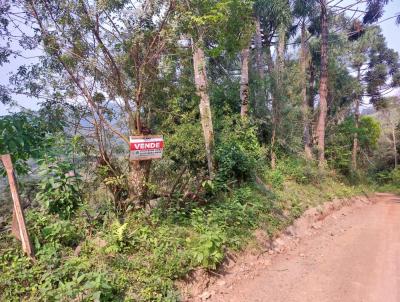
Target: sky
x: 389, y: 28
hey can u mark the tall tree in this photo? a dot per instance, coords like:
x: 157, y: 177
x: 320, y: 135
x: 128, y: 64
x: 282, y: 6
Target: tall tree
x: 275, y: 17
x: 377, y: 72
x: 323, y: 84
x: 258, y: 39
x: 357, y: 101
x: 304, y: 11
x: 107, y: 57
x: 201, y: 82
x: 387, y: 155
x: 278, y: 97
x: 244, y: 20
x: 374, y: 11
x: 210, y: 21
x: 305, y: 100
x: 244, y: 82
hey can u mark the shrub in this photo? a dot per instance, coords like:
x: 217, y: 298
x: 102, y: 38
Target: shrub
x: 299, y: 170
x: 23, y: 136
x: 387, y: 177
x: 207, y: 248
x: 395, y: 177
x: 59, y: 187
x: 381, y: 177
x: 238, y: 152
x: 52, y: 237
x: 185, y: 147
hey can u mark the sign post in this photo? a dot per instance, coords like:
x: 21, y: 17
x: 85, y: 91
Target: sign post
x: 146, y: 147
x: 18, y: 225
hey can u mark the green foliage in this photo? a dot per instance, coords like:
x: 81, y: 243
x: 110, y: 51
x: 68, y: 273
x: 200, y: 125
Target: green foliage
x: 32, y: 282
x: 300, y: 170
x: 59, y: 188
x: 275, y: 178
x: 294, y: 169
x: 118, y: 238
x: 339, y: 148
x: 388, y: 177
x: 23, y: 136
x: 382, y: 177
x: 395, y: 176
x: 228, y: 23
x: 277, y: 11
x: 369, y: 132
x: 238, y: 151
x: 140, y: 258
x: 207, y: 248
x: 383, y: 67
x: 186, y: 146
x: 56, y: 275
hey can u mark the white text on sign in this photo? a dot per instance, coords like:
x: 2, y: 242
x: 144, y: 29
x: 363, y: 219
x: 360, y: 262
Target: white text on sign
x: 146, y: 147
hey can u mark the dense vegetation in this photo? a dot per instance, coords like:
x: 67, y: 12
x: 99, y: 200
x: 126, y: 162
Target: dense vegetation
x: 259, y: 103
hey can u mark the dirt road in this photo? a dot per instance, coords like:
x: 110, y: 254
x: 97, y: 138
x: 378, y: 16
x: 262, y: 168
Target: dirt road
x: 353, y: 257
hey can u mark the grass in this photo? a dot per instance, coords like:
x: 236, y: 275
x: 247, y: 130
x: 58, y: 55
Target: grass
x: 388, y: 188
x: 311, y: 195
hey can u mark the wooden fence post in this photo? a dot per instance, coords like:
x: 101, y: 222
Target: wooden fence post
x: 18, y: 225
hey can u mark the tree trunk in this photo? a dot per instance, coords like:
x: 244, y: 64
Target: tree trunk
x: 311, y: 96
x: 355, y: 137
x: 323, y: 86
x: 259, y: 52
x: 139, y: 171
x: 244, y: 83
x: 200, y: 79
x: 305, y: 107
x: 260, y: 92
x: 357, y: 125
x: 272, y: 72
x: 395, y: 147
x: 279, y: 66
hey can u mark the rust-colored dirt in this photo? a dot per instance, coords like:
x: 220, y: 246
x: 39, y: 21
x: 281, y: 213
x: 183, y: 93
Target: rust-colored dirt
x: 354, y: 256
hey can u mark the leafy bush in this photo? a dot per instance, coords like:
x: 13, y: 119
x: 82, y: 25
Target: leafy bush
x: 50, y: 235
x: 238, y: 151
x: 22, y: 135
x: 59, y: 187
x: 395, y: 177
x: 118, y: 236
x: 387, y: 177
x: 382, y: 177
x: 25, y: 136
x: 208, y: 248
x: 186, y: 147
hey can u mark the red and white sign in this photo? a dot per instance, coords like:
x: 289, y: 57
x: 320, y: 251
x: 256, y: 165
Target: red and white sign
x: 146, y: 147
